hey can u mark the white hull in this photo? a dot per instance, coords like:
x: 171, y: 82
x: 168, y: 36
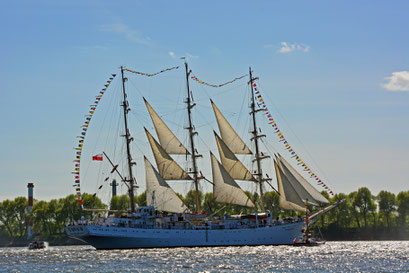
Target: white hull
x: 102, y: 237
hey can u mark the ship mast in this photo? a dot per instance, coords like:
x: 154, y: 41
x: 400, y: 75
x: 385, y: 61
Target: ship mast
x: 255, y: 137
x: 193, y: 152
x: 128, y: 139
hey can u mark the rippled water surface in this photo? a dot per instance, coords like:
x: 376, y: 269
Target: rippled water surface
x: 389, y: 256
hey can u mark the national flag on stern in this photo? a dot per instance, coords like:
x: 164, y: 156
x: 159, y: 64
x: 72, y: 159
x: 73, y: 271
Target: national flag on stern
x: 97, y: 157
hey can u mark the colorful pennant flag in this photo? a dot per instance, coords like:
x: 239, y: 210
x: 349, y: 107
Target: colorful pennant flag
x: 217, y: 85
x: 150, y: 75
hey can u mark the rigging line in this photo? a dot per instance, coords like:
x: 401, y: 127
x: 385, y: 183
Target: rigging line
x: 305, y: 148
x: 118, y: 124
x: 220, y: 92
x: 245, y: 129
x: 149, y: 89
x: 141, y: 119
x: 111, y: 125
x: 136, y: 87
x: 87, y: 167
x: 99, y: 135
x: 180, y: 101
x: 204, y: 117
x: 108, y: 129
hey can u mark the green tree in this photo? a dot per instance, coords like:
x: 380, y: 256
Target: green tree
x: 190, y: 200
x: 70, y: 210
x: 402, y: 200
x: 324, y: 218
x: 21, y: 214
x: 57, y: 220
x: 41, y: 218
x: 387, y: 205
x: 364, y: 203
x: 7, y: 216
x: 353, y: 209
x: 340, y: 217
x: 210, y: 206
x: 271, y: 203
x: 120, y: 202
x: 141, y: 199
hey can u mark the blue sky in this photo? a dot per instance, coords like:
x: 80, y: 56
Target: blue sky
x: 334, y: 75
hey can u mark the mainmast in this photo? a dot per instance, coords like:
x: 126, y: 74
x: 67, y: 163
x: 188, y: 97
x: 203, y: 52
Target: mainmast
x: 255, y: 137
x: 193, y: 152
x: 128, y: 139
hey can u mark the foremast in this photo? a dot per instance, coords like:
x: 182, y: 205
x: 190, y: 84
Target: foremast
x: 130, y: 180
x: 256, y: 136
x: 192, y: 133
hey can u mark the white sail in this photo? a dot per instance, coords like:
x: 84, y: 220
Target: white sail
x: 168, y: 168
x: 314, y: 195
x: 229, y: 136
x: 230, y: 162
x: 296, y: 185
x: 225, y: 189
x: 167, y: 139
x: 159, y: 194
x: 288, y: 199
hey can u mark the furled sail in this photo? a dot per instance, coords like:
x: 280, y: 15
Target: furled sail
x: 167, y: 139
x: 289, y: 198
x: 313, y: 194
x: 159, y: 194
x: 229, y: 136
x: 225, y: 189
x: 168, y: 168
x: 230, y: 162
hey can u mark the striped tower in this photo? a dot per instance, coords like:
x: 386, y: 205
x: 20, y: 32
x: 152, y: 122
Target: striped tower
x: 30, y: 187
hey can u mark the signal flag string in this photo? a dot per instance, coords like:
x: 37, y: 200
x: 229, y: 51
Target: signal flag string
x: 217, y: 85
x: 151, y: 75
x: 81, y: 137
x: 287, y: 146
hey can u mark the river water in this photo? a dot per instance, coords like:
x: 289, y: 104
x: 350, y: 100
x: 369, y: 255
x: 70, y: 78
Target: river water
x: 362, y: 256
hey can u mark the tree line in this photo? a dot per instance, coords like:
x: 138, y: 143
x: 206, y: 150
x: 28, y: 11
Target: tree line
x: 360, y: 213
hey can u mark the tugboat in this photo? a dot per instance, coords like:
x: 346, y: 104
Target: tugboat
x: 37, y: 245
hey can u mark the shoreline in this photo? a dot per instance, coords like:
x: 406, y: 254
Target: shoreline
x: 67, y: 241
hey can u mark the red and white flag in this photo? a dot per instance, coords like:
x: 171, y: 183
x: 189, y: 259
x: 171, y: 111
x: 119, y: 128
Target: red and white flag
x: 97, y: 157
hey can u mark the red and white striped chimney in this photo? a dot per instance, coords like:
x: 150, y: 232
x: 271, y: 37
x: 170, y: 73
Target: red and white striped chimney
x: 30, y: 187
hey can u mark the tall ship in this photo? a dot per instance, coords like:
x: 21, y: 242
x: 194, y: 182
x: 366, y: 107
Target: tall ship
x: 166, y: 221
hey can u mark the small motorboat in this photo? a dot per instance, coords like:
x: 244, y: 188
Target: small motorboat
x: 37, y: 245
x: 302, y: 241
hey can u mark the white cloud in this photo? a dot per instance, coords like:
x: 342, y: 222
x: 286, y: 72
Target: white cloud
x: 130, y: 34
x: 187, y: 55
x: 190, y: 56
x: 399, y: 81
x: 172, y: 54
x: 287, y: 47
